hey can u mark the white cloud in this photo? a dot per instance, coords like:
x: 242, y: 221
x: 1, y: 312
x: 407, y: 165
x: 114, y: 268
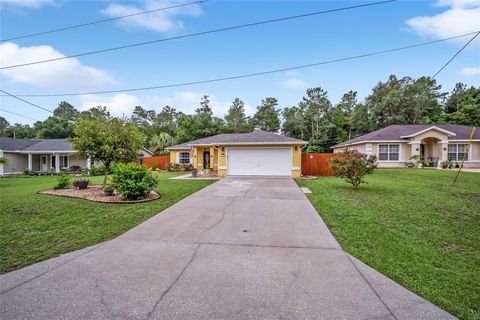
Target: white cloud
x: 458, y: 3
x: 294, y: 83
x: 462, y: 16
x: 470, y: 71
x: 119, y: 104
x: 184, y: 101
x: 159, y: 21
x: 34, y: 4
x: 59, y: 74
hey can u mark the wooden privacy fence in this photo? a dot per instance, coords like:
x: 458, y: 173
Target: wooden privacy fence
x: 161, y: 161
x: 316, y: 164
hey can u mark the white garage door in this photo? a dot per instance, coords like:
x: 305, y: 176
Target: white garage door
x: 259, y: 161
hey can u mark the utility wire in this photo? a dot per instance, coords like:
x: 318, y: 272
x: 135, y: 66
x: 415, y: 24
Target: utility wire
x: 196, y: 34
x: 456, y: 54
x: 18, y: 114
x: 27, y: 102
x: 249, y: 74
x: 100, y: 21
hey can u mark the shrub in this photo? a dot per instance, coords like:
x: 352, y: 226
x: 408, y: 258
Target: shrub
x: 63, y: 181
x: 153, y: 165
x: 81, y: 183
x: 133, y: 181
x: 187, y: 167
x: 109, y: 187
x: 3, y: 160
x: 174, y: 167
x: 353, y: 166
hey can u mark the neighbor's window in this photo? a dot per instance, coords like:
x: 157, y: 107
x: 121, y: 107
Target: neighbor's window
x: 456, y: 151
x: 184, y: 157
x: 63, y: 161
x: 389, y: 152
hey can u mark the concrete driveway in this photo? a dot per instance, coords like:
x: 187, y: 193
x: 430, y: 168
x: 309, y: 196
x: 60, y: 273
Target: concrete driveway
x: 241, y: 248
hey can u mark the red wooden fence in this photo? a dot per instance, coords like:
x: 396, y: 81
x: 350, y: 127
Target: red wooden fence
x: 316, y: 164
x: 161, y: 161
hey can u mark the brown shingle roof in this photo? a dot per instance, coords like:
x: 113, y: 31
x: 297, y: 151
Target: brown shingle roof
x: 255, y: 137
x: 396, y: 132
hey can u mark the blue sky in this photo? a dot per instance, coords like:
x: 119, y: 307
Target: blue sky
x: 248, y: 50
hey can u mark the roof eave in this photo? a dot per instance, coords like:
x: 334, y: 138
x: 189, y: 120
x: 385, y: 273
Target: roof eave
x: 450, y: 133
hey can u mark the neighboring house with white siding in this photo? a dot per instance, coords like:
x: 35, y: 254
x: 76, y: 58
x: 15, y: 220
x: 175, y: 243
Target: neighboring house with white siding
x: 41, y: 155
x: 396, y: 144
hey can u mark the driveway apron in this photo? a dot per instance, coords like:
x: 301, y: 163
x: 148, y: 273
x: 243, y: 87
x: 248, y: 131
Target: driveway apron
x: 241, y: 248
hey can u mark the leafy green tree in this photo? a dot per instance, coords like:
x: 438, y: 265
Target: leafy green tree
x: 294, y: 122
x: 20, y: 131
x: 342, y: 116
x: 267, y: 116
x: 159, y: 142
x: 463, y: 105
x: 108, y: 141
x: 66, y: 111
x: 166, y: 120
x: 4, y: 124
x: 99, y: 112
x: 317, y: 110
x: 54, y: 128
x: 236, y: 120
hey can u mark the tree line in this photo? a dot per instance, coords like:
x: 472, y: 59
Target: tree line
x: 314, y: 119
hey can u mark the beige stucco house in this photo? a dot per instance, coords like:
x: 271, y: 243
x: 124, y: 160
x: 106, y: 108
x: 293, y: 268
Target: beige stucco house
x: 41, y: 155
x: 396, y: 144
x: 239, y: 154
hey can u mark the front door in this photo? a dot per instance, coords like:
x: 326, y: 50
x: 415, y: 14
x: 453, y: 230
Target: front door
x: 206, y: 159
x: 43, y: 163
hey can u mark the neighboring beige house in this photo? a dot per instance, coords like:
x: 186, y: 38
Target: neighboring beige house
x: 239, y: 154
x: 396, y: 144
x: 41, y: 155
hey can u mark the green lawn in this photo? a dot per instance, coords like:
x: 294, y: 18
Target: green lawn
x: 414, y: 227
x: 35, y: 227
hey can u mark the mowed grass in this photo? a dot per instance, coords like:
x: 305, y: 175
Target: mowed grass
x: 414, y: 227
x: 35, y: 227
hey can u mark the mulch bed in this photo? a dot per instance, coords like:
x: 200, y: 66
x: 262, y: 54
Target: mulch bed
x: 95, y: 193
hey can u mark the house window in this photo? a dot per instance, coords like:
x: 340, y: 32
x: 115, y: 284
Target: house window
x: 389, y: 152
x: 184, y: 157
x: 456, y: 151
x: 63, y: 161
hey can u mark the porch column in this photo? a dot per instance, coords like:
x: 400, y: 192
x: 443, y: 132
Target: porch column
x: 443, y: 151
x: 57, y: 163
x: 89, y: 163
x: 29, y: 162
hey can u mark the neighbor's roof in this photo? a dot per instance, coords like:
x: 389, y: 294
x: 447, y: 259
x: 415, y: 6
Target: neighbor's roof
x: 27, y: 145
x: 402, y: 132
x: 11, y: 144
x: 255, y: 137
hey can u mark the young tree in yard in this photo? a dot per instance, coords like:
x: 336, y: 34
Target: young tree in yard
x: 108, y: 141
x: 353, y: 166
x: 267, y: 116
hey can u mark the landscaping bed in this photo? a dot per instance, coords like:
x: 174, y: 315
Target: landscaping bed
x: 95, y: 193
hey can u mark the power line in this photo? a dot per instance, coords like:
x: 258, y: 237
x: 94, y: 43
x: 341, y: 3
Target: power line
x: 196, y: 34
x: 100, y: 21
x: 250, y: 74
x: 18, y: 114
x: 456, y: 54
x: 27, y: 102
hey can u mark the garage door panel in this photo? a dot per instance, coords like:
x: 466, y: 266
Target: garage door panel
x: 259, y: 161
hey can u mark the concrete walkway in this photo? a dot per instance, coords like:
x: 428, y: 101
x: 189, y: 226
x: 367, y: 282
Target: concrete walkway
x: 242, y: 248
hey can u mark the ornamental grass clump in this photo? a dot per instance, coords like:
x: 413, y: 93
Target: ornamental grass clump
x: 353, y: 166
x: 133, y: 181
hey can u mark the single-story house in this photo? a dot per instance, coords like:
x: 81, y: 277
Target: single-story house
x: 396, y: 144
x: 41, y: 155
x: 239, y: 154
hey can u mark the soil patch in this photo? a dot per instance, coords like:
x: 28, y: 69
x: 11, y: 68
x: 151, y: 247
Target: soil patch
x: 95, y: 193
